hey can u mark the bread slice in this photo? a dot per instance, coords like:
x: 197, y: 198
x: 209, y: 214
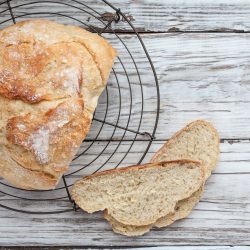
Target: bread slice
x: 183, y: 206
x: 139, y: 195
x: 199, y: 140
x: 127, y: 230
x: 182, y: 209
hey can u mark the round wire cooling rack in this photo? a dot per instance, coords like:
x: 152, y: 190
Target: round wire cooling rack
x: 126, y: 118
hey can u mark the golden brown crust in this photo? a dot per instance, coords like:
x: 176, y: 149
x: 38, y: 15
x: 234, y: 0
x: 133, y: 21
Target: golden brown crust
x: 22, y: 177
x: 139, y: 167
x: 51, y: 76
x: 48, y: 144
x: 40, y: 72
x: 167, y: 164
x: 36, y: 45
x: 102, y: 58
x: 14, y: 82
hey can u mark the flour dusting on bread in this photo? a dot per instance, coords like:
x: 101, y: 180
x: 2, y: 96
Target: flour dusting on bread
x: 39, y: 144
x: 49, y: 75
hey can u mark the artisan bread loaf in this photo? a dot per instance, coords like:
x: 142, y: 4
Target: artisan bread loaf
x: 51, y: 76
x: 200, y: 141
x: 139, y: 195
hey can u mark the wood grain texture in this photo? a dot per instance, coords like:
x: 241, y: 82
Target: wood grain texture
x: 199, y: 248
x: 148, y: 16
x: 222, y: 216
x: 142, y: 248
x: 201, y: 75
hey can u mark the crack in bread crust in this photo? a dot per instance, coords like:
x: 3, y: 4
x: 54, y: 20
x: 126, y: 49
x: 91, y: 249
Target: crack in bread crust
x: 24, y: 178
x: 47, y: 72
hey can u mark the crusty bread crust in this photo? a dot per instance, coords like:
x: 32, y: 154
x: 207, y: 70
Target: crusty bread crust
x: 51, y: 76
x: 139, y: 167
x: 24, y: 178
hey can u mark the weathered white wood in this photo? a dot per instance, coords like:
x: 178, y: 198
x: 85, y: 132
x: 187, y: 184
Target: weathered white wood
x: 149, y: 16
x: 221, y: 217
x: 201, y: 76
x: 209, y: 224
x: 197, y: 248
x: 226, y: 193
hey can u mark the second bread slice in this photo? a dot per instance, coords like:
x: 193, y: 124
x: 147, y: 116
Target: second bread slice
x: 139, y: 195
x: 199, y: 140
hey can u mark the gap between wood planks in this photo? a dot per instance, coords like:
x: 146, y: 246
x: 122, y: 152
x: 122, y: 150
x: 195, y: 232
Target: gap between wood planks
x: 134, y: 247
x: 222, y: 140
x: 170, y: 30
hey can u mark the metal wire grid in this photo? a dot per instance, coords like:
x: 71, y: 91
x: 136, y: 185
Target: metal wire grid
x: 37, y: 195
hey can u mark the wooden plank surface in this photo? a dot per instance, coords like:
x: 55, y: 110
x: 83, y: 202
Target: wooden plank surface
x: 150, y: 15
x: 198, y: 248
x: 201, y: 75
x: 222, y: 216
